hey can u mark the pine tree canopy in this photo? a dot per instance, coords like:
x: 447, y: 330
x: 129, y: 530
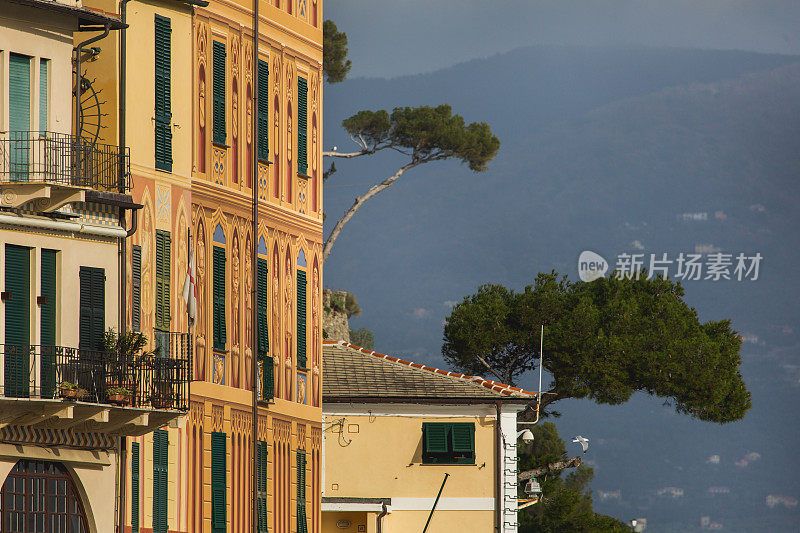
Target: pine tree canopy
x: 334, y: 53
x: 425, y: 133
x: 603, y: 340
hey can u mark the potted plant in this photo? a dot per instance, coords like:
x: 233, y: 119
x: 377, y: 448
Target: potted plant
x: 119, y: 395
x: 69, y: 390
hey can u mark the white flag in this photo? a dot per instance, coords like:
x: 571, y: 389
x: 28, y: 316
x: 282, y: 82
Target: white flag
x: 190, y: 288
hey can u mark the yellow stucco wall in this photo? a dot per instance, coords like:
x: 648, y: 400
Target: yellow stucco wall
x: 384, y: 459
x: 380, y: 456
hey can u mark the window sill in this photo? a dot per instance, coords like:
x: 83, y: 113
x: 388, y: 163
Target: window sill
x: 304, y: 176
x: 264, y: 161
x: 220, y: 145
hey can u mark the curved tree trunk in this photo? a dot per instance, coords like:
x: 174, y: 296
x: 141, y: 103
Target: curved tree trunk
x: 552, y: 468
x: 359, y: 201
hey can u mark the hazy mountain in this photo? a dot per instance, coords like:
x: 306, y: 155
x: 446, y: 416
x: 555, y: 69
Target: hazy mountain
x: 603, y: 150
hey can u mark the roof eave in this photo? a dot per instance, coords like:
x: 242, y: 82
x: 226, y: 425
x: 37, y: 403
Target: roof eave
x: 87, y: 19
x: 424, y: 400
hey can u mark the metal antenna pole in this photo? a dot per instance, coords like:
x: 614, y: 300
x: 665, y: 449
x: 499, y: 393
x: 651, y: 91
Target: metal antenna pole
x: 446, y: 475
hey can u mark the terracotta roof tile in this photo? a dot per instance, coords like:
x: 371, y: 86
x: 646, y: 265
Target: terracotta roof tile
x: 350, y: 371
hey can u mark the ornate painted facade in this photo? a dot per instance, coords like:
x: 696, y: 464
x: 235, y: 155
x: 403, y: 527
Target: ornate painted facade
x: 201, y: 198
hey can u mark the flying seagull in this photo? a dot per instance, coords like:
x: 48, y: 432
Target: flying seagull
x: 583, y: 441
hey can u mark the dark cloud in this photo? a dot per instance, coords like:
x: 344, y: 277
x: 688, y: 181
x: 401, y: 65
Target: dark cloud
x: 393, y: 38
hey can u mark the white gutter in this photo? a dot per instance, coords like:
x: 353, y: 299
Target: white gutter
x: 61, y: 225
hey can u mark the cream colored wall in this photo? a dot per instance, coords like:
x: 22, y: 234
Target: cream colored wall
x: 384, y: 459
x: 75, y: 252
x: 41, y: 34
x: 94, y: 483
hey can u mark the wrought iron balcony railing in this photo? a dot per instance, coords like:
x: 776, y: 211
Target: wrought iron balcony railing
x: 60, y: 158
x: 49, y: 371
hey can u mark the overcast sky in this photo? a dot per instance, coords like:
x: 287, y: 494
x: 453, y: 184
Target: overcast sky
x: 395, y: 37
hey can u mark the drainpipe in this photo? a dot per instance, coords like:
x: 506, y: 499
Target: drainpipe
x: 498, y: 490
x: 384, y: 512
x: 121, y: 101
x: 254, y: 263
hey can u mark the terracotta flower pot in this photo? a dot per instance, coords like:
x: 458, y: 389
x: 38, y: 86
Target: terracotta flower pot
x: 69, y: 393
x: 119, y: 398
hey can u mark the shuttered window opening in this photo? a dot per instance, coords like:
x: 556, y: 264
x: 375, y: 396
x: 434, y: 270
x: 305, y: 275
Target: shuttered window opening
x: 220, y: 331
x: 92, y: 315
x: 163, y: 94
x: 262, y: 285
x: 47, y: 308
x: 136, y: 288
x: 261, y: 496
x: 263, y: 110
x: 301, y: 319
x: 219, y: 92
x: 43, y: 100
x: 448, y: 443
x: 135, y: 487
x: 218, y: 483
x: 17, y: 321
x: 302, y: 523
x: 19, y: 120
x: 163, y: 257
x: 160, y: 480
x: 302, y: 126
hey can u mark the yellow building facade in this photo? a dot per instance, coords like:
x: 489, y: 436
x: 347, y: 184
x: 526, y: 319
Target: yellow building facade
x: 64, y: 208
x: 394, y: 429
x: 190, y: 74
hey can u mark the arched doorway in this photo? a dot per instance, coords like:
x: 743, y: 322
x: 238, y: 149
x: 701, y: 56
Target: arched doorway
x: 40, y: 497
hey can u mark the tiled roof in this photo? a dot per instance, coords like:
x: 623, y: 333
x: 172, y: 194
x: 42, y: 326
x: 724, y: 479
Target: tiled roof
x: 352, y: 372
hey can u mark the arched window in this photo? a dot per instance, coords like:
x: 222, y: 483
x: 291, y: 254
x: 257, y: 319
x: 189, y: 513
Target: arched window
x: 218, y: 289
x: 41, y: 496
x: 302, y: 353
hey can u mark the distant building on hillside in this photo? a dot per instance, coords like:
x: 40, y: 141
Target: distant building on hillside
x: 606, y: 495
x: 674, y: 492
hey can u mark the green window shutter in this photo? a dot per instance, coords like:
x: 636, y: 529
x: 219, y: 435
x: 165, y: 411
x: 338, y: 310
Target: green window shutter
x: 463, y: 437
x: 220, y: 331
x: 163, y: 93
x: 163, y: 257
x: 301, y: 319
x: 261, y: 497
x: 435, y: 437
x: 92, y: 314
x: 218, y: 483
x: 160, y: 480
x: 263, y: 110
x: 136, y: 288
x: 43, y: 100
x: 19, y: 120
x: 219, y: 92
x: 135, y: 487
x: 47, y: 363
x: 19, y: 92
x: 302, y: 523
x: 267, y: 378
x: 302, y: 126
x: 262, y: 284
x: 17, y: 322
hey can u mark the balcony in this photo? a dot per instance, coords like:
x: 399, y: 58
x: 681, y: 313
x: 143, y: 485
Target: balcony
x: 59, y: 167
x: 46, y: 385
